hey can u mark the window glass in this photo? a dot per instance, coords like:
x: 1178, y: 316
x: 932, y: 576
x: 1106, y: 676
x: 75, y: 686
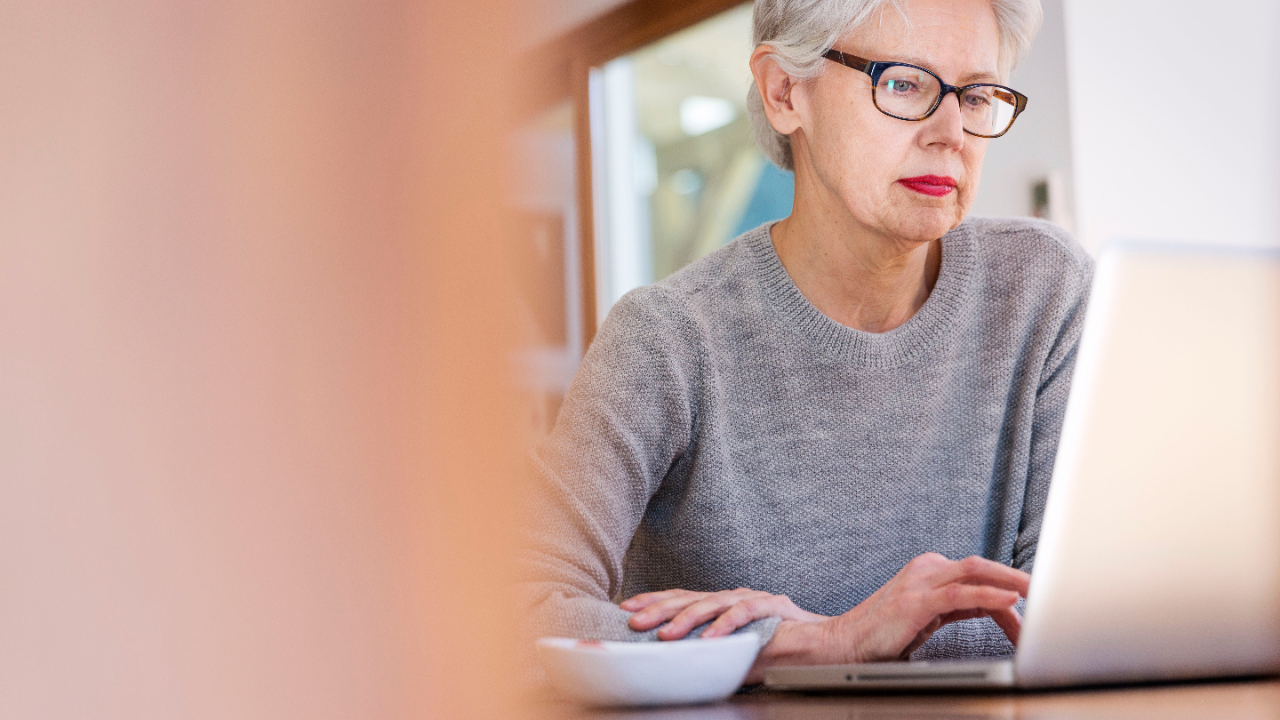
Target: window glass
x: 676, y: 170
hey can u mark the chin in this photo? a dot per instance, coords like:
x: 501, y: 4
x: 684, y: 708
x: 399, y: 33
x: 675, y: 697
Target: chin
x: 927, y: 225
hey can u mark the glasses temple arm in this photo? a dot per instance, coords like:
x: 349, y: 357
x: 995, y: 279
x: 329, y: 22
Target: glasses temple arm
x: 846, y: 59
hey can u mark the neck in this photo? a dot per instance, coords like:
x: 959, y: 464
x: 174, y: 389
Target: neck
x: 854, y: 276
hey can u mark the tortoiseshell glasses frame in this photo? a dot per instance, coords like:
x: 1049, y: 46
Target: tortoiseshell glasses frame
x: 1016, y: 101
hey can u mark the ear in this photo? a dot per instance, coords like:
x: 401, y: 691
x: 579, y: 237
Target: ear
x: 776, y: 88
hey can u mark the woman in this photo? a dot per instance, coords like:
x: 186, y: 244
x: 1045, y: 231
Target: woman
x: 831, y: 411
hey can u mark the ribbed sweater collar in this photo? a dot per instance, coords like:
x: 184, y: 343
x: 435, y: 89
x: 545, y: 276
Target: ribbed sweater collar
x: 879, y: 350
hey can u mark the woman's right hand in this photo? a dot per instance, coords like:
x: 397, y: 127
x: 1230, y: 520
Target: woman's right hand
x: 897, y: 619
x: 683, y: 610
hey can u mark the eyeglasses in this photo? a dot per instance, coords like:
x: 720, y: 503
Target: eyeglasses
x: 908, y: 92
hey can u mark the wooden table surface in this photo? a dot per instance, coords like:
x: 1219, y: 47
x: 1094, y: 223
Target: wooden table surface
x: 1238, y: 700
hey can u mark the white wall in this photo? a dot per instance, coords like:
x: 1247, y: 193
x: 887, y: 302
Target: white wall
x: 1038, y: 147
x: 1175, y: 120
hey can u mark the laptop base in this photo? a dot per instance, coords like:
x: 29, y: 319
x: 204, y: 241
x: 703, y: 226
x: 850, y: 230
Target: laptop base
x: 932, y: 674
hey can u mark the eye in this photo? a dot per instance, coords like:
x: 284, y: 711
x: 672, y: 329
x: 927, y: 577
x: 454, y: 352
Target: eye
x: 901, y: 87
x: 977, y: 100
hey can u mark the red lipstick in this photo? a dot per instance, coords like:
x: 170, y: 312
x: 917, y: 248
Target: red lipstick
x: 935, y: 185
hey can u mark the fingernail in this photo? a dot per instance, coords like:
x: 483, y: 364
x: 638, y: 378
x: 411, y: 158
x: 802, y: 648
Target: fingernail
x: 708, y: 633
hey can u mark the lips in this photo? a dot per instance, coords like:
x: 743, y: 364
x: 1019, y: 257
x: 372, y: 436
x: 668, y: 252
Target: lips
x: 934, y: 185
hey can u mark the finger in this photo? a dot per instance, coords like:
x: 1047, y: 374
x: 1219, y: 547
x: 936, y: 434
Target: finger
x: 751, y: 609
x: 975, y: 570
x: 779, y: 606
x: 1009, y: 622
x: 663, y: 610
x: 644, y: 600
x: 958, y: 615
x: 698, y: 613
x: 958, y: 596
x: 920, y: 639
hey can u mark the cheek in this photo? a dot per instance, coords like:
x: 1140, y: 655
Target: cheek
x: 859, y: 159
x: 973, y: 171
x: 844, y: 131
x: 974, y: 152
x: 837, y: 138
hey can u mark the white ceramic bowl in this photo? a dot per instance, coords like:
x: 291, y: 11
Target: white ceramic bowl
x: 648, y: 673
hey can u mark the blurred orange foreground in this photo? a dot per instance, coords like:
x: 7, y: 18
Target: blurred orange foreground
x: 255, y: 445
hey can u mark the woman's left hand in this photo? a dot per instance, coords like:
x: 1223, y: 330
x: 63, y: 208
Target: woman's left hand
x: 686, y: 609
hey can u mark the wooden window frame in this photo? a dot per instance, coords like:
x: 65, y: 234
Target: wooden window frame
x: 561, y: 70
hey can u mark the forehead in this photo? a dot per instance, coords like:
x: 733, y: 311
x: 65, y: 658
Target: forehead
x: 958, y: 39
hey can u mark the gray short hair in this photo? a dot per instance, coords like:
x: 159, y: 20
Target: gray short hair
x: 800, y: 30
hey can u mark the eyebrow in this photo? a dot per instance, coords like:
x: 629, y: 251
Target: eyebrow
x: 964, y: 79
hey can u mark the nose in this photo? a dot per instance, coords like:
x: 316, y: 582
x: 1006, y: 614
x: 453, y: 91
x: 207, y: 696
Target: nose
x: 945, y: 127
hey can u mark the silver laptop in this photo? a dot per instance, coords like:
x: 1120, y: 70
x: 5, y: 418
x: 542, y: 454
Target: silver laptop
x: 1159, y: 557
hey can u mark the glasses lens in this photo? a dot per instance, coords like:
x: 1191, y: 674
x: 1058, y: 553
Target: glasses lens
x: 988, y: 109
x: 906, y: 92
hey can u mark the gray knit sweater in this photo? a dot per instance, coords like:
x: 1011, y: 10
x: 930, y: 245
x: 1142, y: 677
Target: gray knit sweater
x: 722, y: 432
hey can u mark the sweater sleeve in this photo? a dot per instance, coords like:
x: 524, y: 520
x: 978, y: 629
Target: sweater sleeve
x: 982, y: 637
x: 627, y: 418
x: 1046, y: 428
